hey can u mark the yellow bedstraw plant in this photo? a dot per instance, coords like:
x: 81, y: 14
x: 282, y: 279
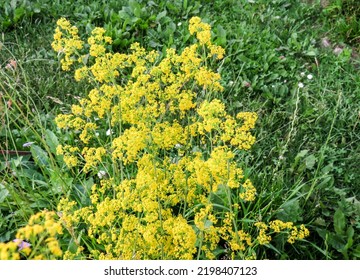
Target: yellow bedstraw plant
x: 170, y: 183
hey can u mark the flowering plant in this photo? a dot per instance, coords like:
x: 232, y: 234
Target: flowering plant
x: 166, y: 153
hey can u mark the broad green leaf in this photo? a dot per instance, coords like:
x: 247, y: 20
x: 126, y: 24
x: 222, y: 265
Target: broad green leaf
x: 339, y: 222
x: 19, y: 13
x: 327, y: 181
x: 123, y: 15
x: 311, y: 53
x: 337, y: 242
x: 3, y: 193
x: 310, y: 161
x: 58, y: 182
x: 290, y: 211
x: 134, y: 8
x: 40, y: 156
x: 51, y: 140
x: 349, y: 233
x: 301, y: 154
x: 161, y: 15
x: 137, y: 12
x: 356, y: 252
x: 320, y: 222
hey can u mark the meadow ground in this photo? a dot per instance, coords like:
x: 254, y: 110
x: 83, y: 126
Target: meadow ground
x: 293, y: 63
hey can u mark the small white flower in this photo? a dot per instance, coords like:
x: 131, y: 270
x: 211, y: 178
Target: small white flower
x: 179, y: 24
x: 325, y: 43
x: 231, y: 83
x: 302, y: 74
x: 28, y: 144
x: 309, y: 76
x: 338, y: 50
x: 300, y: 85
x: 97, y: 134
x: 108, y: 132
x: 101, y: 174
x: 178, y: 146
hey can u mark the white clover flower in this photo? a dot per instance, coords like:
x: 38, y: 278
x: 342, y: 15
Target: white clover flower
x: 101, y: 174
x: 300, y: 85
x: 309, y: 76
x: 302, y: 74
x: 231, y: 83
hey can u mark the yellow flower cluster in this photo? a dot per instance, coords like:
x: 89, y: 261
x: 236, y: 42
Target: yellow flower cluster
x: 201, y: 29
x: 69, y: 153
x: 41, y: 233
x: 9, y: 251
x: 67, y: 45
x: 239, y: 241
x: 277, y: 226
x: 170, y: 150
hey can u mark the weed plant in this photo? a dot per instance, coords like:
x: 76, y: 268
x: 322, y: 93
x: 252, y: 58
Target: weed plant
x: 303, y: 164
x: 169, y: 187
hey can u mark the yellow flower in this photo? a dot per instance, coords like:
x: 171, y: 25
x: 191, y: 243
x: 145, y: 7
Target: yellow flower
x: 174, y: 183
x: 250, y: 191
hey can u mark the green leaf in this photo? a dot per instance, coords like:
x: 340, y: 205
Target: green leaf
x: 135, y: 8
x: 123, y: 15
x: 40, y: 156
x: 320, y: 222
x: 13, y: 4
x: 51, y: 140
x: 339, y: 222
x: 337, y: 242
x: 220, y: 196
x: 3, y: 193
x: 311, y: 53
x: 60, y: 182
x: 161, y: 15
x: 19, y: 13
x: 137, y: 12
x: 356, y: 252
x: 350, y: 234
x: 302, y: 153
x: 310, y: 161
x: 290, y: 211
x: 221, y: 35
x: 185, y: 4
x: 327, y: 181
